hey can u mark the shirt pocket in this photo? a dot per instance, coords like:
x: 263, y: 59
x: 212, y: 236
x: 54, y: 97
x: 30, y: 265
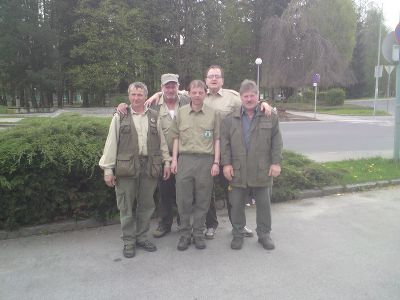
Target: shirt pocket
x: 184, y: 133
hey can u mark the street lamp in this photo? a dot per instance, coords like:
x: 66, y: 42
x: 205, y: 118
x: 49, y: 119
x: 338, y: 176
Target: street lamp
x: 258, y: 63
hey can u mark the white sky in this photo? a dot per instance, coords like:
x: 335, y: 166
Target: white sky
x: 391, y: 12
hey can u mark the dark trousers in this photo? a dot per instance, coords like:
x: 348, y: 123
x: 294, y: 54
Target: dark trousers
x: 211, y: 219
x: 167, y: 201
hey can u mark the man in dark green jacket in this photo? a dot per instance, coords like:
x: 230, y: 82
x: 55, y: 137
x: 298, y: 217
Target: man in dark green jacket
x: 251, y: 153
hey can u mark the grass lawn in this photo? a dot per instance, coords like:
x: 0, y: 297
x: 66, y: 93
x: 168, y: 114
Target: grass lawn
x: 365, y: 170
x: 345, y: 109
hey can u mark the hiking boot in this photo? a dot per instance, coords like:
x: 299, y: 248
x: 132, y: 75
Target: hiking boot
x: 184, y: 243
x: 210, y: 233
x: 161, y: 231
x: 237, y: 243
x: 247, y: 232
x: 129, y: 251
x: 266, y: 242
x: 147, y: 245
x: 199, y: 242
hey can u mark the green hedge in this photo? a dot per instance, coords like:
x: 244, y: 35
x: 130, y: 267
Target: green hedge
x: 331, y: 97
x: 48, y: 171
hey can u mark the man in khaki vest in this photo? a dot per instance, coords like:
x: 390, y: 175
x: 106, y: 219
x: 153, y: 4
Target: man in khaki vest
x: 251, y: 153
x: 132, y: 160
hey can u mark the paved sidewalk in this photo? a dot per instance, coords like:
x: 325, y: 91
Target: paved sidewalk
x: 335, y: 247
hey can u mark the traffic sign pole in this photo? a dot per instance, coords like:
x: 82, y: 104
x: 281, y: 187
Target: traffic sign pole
x: 396, y: 154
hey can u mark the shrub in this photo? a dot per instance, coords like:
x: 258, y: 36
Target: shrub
x: 335, y: 97
x: 48, y: 171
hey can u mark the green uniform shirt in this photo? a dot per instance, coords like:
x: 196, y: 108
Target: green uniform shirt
x: 225, y: 101
x: 196, y: 131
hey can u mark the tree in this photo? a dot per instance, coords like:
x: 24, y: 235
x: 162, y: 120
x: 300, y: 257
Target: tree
x: 294, y: 48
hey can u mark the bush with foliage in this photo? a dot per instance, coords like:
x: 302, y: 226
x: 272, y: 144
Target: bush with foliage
x: 331, y: 97
x: 48, y: 171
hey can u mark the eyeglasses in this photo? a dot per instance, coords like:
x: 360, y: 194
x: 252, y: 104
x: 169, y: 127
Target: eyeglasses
x: 214, y: 76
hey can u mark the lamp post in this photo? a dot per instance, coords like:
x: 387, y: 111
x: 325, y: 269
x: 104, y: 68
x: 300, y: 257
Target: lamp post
x: 258, y: 63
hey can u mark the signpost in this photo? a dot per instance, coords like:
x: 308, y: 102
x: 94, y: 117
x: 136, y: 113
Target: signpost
x: 315, y: 80
x: 392, y: 56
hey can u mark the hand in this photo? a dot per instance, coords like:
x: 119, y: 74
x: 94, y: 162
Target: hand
x: 167, y: 173
x: 109, y: 180
x: 174, y: 166
x: 274, y: 170
x: 266, y: 108
x: 228, y: 172
x: 122, y: 109
x: 214, y: 170
x: 153, y: 99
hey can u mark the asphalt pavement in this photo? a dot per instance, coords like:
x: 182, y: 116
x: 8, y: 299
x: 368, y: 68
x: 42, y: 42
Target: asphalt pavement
x: 335, y: 247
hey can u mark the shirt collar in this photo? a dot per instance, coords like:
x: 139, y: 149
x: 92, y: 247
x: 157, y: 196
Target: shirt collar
x: 220, y: 92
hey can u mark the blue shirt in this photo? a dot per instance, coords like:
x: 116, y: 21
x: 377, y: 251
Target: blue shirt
x: 246, y: 125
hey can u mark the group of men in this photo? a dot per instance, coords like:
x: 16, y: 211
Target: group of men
x: 183, y: 142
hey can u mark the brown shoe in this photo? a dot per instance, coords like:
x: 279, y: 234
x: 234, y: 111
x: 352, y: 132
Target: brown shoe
x: 199, y: 242
x: 237, y: 243
x: 161, y: 231
x: 184, y: 243
x: 266, y: 242
x: 147, y: 245
x: 129, y: 251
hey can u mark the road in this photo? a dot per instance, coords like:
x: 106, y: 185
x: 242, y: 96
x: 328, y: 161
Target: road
x: 338, y: 138
x: 335, y: 247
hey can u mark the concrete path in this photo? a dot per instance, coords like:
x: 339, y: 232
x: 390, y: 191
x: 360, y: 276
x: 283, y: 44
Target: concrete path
x: 336, y: 247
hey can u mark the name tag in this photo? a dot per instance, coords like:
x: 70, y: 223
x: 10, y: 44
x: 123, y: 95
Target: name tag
x: 208, y: 134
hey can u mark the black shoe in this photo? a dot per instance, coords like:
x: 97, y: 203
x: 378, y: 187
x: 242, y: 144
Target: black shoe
x: 129, y: 251
x: 237, y: 243
x: 184, y: 243
x: 266, y: 242
x: 161, y: 231
x: 199, y: 242
x: 147, y: 245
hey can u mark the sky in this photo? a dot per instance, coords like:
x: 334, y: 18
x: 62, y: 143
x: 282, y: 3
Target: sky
x: 391, y: 12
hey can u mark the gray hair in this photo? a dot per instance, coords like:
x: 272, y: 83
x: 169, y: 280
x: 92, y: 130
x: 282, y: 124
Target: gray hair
x: 248, y: 86
x: 139, y: 85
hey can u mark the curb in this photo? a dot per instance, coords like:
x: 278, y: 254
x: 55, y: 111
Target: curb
x: 91, y: 223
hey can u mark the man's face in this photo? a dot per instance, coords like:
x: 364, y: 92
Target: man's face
x: 197, y: 95
x: 249, y: 100
x: 170, y: 90
x: 136, y: 97
x: 214, y: 79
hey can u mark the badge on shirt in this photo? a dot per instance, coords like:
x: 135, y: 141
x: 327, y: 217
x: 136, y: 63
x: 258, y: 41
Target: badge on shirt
x: 207, y: 134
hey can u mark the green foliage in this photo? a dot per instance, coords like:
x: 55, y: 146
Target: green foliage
x: 332, y: 97
x: 300, y: 173
x: 48, y: 171
x: 365, y: 170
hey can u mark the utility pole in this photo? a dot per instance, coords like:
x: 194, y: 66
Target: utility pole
x: 378, y: 73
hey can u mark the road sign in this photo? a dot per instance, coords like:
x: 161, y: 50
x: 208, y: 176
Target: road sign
x: 378, y: 71
x: 387, y: 47
x: 397, y: 33
x: 389, y: 69
x: 316, y: 78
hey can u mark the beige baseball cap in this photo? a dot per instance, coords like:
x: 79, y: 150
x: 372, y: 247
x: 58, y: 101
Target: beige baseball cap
x: 165, y: 78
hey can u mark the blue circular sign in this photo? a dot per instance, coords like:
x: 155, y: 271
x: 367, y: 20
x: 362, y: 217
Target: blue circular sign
x: 397, y: 33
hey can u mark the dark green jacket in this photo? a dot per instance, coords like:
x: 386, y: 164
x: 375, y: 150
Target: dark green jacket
x: 128, y: 162
x: 251, y: 166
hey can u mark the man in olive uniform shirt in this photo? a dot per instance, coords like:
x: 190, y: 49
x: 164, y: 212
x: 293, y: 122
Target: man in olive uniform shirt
x: 132, y: 161
x: 224, y: 101
x: 195, y: 133
x: 251, y: 152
